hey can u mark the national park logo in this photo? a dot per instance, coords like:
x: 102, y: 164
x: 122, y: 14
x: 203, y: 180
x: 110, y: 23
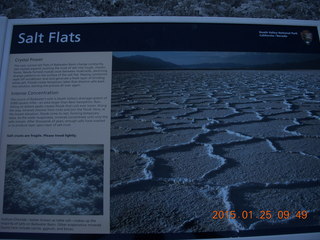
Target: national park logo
x: 306, y: 36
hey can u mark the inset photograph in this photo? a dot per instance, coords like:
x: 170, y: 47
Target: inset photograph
x: 54, y: 180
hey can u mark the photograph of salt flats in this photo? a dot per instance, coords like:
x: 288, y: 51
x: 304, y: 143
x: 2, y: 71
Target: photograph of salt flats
x: 197, y: 132
x: 61, y: 179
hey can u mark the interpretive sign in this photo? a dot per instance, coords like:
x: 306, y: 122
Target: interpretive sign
x: 160, y: 126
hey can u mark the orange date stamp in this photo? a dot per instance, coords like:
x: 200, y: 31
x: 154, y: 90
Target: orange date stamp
x: 261, y: 215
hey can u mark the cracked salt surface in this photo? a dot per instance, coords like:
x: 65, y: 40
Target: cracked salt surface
x: 185, y: 143
x: 257, y: 162
x: 172, y: 162
x: 125, y: 167
x: 306, y: 145
x: 293, y: 197
x: 163, y: 207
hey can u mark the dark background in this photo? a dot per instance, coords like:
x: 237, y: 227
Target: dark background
x: 280, y: 9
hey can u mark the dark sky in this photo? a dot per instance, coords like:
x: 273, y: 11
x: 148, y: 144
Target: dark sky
x: 185, y: 58
x: 182, y: 58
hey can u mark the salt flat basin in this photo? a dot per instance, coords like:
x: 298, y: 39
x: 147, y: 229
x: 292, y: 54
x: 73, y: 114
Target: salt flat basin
x: 239, y: 139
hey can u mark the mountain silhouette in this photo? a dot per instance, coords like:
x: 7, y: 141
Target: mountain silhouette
x: 144, y: 63
x: 139, y: 62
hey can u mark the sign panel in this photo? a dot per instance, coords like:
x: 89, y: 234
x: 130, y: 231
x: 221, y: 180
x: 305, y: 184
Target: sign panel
x: 159, y: 126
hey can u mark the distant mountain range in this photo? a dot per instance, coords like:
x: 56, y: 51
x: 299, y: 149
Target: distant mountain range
x: 140, y: 63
